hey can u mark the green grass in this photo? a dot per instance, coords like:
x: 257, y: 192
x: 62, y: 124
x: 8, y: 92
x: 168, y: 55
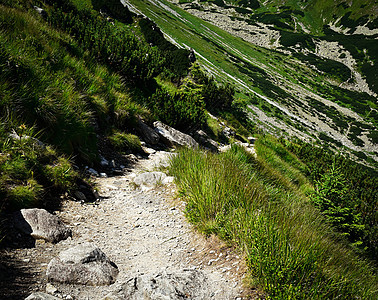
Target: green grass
x: 125, y: 141
x: 31, y: 172
x: 53, y: 90
x: 260, y: 205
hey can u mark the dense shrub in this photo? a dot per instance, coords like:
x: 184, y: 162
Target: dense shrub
x: 290, y: 39
x: 183, y: 110
x: 115, y: 9
x: 217, y: 97
x: 254, y: 4
x: 328, y: 66
x: 177, y: 60
x: 125, y: 141
x: 114, y: 46
x: 335, y: 200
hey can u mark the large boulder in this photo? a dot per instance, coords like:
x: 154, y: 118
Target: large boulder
x: 40, y: 224
x: 173, y: 137
x: 188, y: 284
x: 84, y: 264
x: 149, y: 135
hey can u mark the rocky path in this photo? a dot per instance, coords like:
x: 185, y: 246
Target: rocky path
x: 142, y: 230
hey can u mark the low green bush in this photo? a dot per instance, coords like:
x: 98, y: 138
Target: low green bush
x: 177, y: 59
x: 31, y: 172
x: 347, y: 193
x: 24, y: 196
x: 184, y: 110
x: 216, y: 97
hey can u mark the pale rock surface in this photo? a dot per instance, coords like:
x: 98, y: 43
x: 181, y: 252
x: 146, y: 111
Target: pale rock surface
x: 173, y: 137
x: 149, y: 179
x: 182, y: 284
x: 40, y: 224
x: 84, y: 264
x: 41, y: 296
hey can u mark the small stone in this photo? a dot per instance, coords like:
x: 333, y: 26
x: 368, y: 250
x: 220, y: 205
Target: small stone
x: 104, y: 162
x: 40, y: 224
x: 80, y: 196
x: 92, y: 171
x: 50, y: 289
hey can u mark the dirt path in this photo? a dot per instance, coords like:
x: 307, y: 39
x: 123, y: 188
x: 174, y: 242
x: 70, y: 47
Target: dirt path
x: 143, y: 231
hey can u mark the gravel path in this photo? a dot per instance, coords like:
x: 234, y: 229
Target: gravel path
x: 143, y: 231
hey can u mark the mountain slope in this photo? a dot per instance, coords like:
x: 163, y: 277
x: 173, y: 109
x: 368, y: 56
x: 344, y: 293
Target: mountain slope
x: 289, y: 89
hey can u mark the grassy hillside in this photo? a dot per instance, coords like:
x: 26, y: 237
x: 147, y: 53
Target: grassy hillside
x: 313, y: 14
x: 75, y: 81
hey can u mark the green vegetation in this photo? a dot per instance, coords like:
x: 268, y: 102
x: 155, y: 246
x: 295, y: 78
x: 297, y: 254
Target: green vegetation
x: 30, y: 170
x: 182, y: 110
x: 75, y: 74
x: 177, y: 59
x: 66, y: 77
x: 260, y: 205
x: 125, y: 141
x: 90, y: 69
x: 278, y: 76
x: 346, y: 193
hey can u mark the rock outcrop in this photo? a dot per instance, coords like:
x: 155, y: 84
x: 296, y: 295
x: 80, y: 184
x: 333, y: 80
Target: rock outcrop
x: 204, y: 140
x: 149, y: 135
x: 40, y: 224
x: 173, y: 137
x: 84, y: 264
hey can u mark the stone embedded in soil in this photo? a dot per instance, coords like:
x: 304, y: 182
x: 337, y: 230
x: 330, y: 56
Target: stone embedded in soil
x: 185, y: 284
x: 41, y: 296
x: 84, y: 264
x: 40, y: 224
x: 150, y: 136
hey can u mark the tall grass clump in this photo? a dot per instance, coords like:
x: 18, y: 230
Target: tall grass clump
x: 291, y: 252
x: 125, y: 141
x: 31, y: 172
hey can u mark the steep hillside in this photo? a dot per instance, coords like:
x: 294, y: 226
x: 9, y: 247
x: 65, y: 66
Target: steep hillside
x: 313, y: 87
